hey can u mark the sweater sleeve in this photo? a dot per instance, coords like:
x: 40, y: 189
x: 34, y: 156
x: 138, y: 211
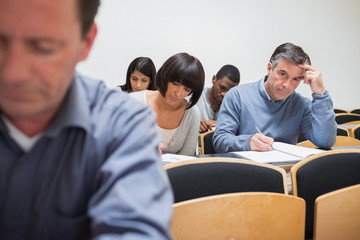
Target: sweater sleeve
x: 225, y: 137
x: 319, y: 125
x: 192, y: 131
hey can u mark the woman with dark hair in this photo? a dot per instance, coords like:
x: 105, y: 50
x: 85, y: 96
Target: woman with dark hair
x: 140, y: 75
x: 182, y: 76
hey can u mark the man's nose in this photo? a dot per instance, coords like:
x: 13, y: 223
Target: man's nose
x: 286, y: 83
x: 14, y: 64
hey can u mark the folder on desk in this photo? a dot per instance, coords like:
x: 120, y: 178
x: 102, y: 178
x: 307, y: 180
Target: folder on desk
x: 282, y: 152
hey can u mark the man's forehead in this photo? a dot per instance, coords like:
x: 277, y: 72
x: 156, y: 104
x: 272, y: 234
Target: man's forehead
x: 34, y: 9
x: 223, y: 79
x: 37, y: 19
x: 290, y: 68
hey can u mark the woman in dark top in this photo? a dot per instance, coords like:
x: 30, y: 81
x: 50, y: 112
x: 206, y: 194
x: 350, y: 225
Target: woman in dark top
x: 140, y: 75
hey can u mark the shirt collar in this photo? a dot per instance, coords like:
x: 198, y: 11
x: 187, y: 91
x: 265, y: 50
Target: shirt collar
x: 74, y: 111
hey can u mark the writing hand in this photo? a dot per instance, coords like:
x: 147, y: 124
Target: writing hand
x: 261, y: 143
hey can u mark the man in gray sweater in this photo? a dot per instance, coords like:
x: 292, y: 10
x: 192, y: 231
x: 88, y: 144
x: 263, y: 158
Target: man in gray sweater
x: 210, y: 101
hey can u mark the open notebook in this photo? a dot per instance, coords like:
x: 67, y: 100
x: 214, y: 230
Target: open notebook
x: 282, y: 152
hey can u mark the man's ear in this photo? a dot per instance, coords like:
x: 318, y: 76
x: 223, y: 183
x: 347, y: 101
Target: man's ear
x: 89, y: 41
x: 213, y: 80
x: 269, y: 66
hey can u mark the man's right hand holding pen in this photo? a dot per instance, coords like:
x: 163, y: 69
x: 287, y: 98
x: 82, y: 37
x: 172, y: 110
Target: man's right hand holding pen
x: 260, y: 142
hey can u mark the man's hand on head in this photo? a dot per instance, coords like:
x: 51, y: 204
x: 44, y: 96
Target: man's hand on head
x: 313, y: 78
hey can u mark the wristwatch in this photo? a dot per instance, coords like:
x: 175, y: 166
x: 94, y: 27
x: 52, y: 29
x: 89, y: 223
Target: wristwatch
x: 323, y: 92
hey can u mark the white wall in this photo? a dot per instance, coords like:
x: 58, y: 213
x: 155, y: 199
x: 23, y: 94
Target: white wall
x: 239, y: 32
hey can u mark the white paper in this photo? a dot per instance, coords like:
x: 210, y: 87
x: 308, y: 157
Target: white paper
x: 302, y: 152
x: 267, y: 157
x: 283, y: 152
x: 171, y: 158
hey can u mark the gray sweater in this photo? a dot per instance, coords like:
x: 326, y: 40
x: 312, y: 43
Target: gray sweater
x: 205, y: 108
x: 184, y: 140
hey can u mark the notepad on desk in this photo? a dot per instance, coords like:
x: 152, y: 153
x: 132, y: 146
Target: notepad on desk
x: 282, y: 152
x: 171, y: 158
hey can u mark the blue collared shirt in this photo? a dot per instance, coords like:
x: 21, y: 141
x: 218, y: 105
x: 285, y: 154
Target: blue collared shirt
x: 248, y: 105
x: 95, y: 172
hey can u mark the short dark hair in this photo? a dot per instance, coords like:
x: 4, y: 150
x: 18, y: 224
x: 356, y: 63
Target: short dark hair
x: 87, y: 10
x: 291, y: 52
x: 229, y: 71
x: 184, y: 69
x: 144, y: 65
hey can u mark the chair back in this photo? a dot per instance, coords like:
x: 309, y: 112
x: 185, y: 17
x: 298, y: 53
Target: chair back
x: 356, y: 110
x: 347, y: 118
x: 337, y: 215
x: 323, y: 173
x: 355, y: 132
x: 340, y: 131
x: 206, y: 144
x: 252, y: 215
x: 210, y: 176
x: 338, y: 110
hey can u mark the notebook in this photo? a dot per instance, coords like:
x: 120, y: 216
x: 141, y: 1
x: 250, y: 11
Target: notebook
x: 282, y: 152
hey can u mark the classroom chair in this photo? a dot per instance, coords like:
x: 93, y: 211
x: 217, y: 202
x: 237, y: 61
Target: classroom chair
x: 210, y: 176
x: 206, y: 145
x: 323, y: 173
x: 338, y: 110
x: 356, y: 110
x: 337, y: 214
x: 355, y: 132
x: 340, y: 131
x: 240, y: 216
x: 347, y: 118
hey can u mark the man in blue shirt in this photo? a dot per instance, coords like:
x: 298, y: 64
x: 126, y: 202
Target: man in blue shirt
x: 273, y: 106
x: 75, y: 161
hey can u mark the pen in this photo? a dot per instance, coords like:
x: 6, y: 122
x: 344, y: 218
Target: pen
x: 259, y: 131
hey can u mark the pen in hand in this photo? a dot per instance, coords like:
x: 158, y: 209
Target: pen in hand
x: 259, y: 131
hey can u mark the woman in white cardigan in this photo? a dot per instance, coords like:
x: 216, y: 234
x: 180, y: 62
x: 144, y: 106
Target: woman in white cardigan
x: 181, y: 76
